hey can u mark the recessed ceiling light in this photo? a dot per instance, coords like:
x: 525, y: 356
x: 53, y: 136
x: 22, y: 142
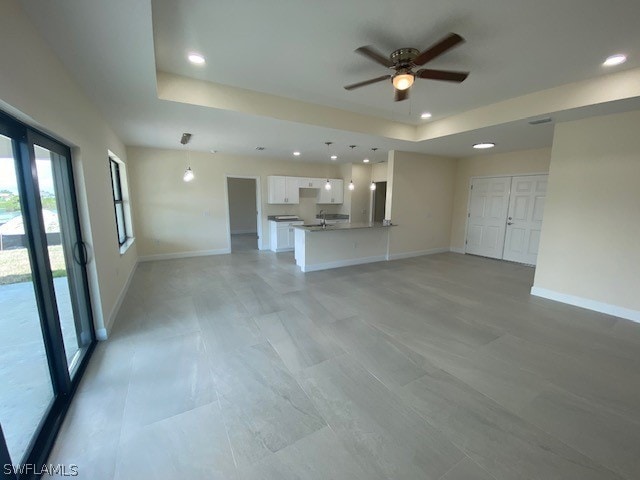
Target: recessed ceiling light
x: 297, y: 154
x: 366, y: 160
x: 484, y: 145
x: 616, y: 59
x: 425, y: 115
x: 196, y: 58
x: 334, y: 157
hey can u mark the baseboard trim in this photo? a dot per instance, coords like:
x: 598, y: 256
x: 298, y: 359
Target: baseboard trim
x: 172, y: 256
x: 103, y: 333
x: 609, y: 309
x: 419, y: 253
x: 456, y: 250
x: 343, y: 263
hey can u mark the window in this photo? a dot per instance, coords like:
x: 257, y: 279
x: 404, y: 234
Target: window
x: 120, y: 203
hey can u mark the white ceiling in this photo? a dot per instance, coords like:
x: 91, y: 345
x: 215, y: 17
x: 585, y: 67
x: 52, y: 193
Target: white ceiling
x: 304, y: 50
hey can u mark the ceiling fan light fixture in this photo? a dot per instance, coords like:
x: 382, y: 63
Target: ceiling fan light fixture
x: 402, y: 81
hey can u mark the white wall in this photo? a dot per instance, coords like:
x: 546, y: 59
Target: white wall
x: 36, y: 87
x: 242, y: 205
x: 590, y: 243
x: 173, y: 217
x: 512, y: 163
x: 420, y: 201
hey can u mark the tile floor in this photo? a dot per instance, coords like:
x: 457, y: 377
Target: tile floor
x: 436, y: 367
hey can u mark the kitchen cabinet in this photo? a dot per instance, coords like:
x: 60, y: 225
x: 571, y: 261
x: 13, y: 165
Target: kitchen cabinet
x: 312, y: 182
x: 283, y: 189
x: 335, y: 195
x: 282, y: 235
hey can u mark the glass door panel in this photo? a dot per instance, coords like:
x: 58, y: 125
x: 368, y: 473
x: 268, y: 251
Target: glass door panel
x: 66, y: 253
x: 26, y: 390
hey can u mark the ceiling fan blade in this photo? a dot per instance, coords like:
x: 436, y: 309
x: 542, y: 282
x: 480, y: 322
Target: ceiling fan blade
x: 444, y: 75
x: 367, y: 82
x: 401, y: 95
x: 438, y: 48
x: 374, y: 55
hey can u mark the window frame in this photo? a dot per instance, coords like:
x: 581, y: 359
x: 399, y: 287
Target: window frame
x: 118, y: 201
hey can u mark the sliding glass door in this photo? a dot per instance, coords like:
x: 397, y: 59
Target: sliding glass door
x: 46, y: 329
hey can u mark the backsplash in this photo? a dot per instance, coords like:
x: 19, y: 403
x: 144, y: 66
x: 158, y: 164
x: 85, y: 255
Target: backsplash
x: 308, y: 208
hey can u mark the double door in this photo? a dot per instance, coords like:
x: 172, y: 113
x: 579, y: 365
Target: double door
x: 505, y: 217
x: 46, y: 331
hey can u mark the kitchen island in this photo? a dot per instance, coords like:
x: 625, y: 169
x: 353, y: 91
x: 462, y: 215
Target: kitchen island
x: 340, y: 245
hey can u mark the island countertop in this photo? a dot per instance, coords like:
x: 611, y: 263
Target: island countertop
x: 341, y: 226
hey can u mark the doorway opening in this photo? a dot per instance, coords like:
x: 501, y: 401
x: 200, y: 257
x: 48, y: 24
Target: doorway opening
x: 243, y: 194
x: 378, y: 202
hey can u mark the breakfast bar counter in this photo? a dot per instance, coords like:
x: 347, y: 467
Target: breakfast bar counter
x: 340, y: 245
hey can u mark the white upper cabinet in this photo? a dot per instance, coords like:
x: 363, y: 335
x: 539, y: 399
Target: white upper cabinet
x: 283, y: 189
x: 312, y: 182
x: 335, y: 195
x: 287, y: 189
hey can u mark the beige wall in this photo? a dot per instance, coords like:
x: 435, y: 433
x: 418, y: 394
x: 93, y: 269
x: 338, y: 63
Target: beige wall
x: 173, y: 217
x: 242, y: 205
x: 379, y: 172
x: 512, y: 163
x: 35, y: 86
x: 590, y: 243
x: 420, y: 201
x: 361, y: 195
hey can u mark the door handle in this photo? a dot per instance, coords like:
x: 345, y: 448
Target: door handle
x: 509, y: 223
x: 83, y: 255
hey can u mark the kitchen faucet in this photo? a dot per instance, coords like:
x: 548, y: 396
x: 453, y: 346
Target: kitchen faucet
x: 323, y: 222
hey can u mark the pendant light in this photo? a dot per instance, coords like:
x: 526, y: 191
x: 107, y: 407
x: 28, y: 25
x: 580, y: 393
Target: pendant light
x: 188, y: 173
x: 372, y: 187
x: 327, y: 186
x: 352, y: 187
x: 329, y: 154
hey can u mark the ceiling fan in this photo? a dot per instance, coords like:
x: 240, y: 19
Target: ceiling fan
x: 404, y: 60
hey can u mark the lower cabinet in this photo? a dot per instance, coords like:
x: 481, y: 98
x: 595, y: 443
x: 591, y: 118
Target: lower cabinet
x: 282, y: 235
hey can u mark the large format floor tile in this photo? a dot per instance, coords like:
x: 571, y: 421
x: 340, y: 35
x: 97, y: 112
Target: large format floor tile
x: 439, y: 367
x: 388, y: 438
x: 264, y: 408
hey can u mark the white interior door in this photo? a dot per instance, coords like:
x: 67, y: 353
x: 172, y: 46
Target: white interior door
x: 524, y: 220
x: 487, y: 214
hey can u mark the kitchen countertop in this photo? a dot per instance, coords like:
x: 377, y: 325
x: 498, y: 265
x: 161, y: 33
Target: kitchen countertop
x: 342, y: 226
x: 334, y: 216
x: 274, y: 218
